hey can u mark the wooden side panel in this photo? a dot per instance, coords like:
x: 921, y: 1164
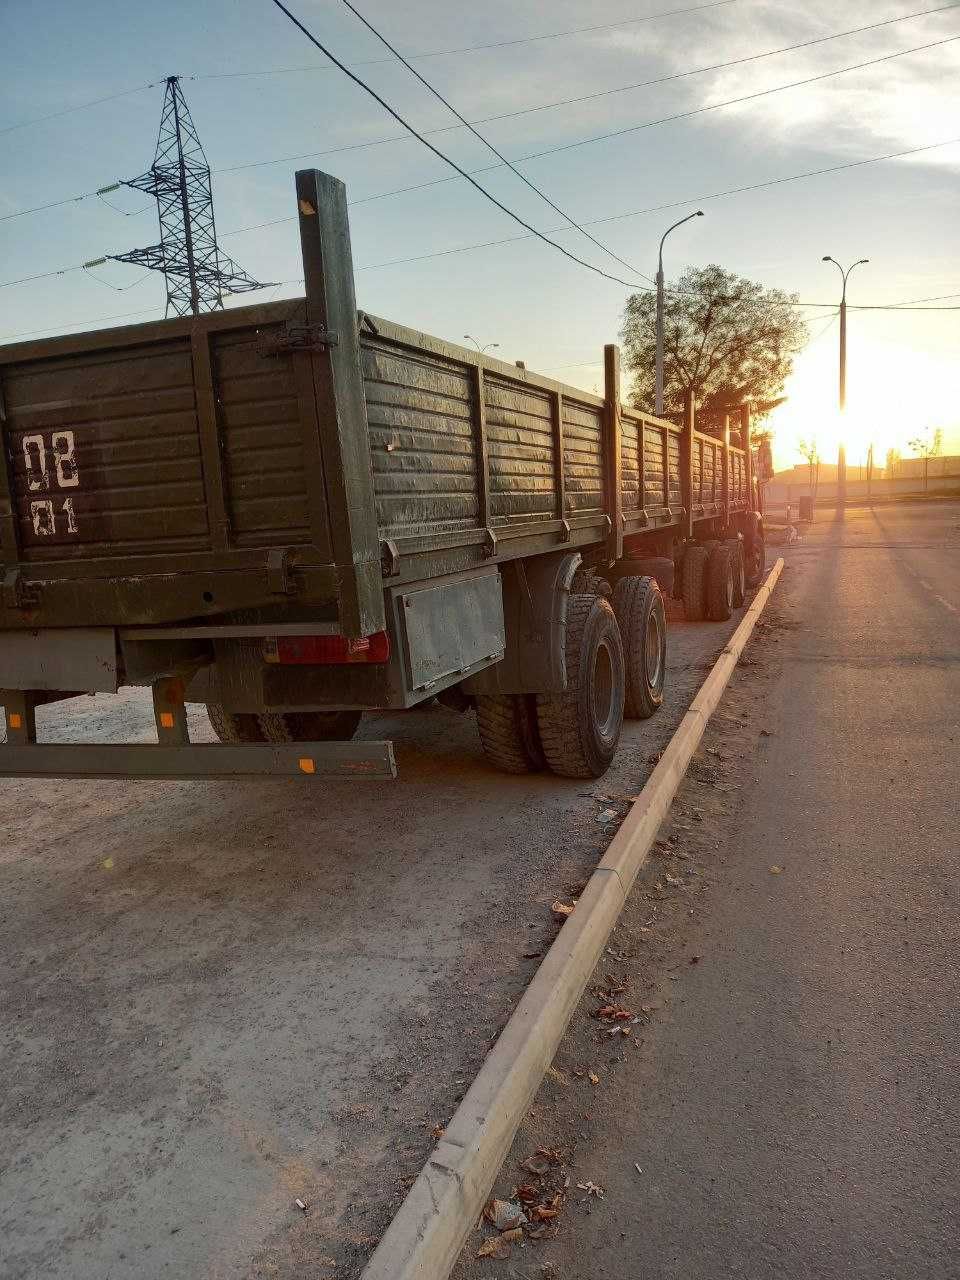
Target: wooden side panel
x: 738, y: 482
x: 105, y: 453
x: 520, y: 445
x: 653, y: 457
x: 632, y: 430
x: 420, y: 420
x: 673, y: 457
x: 697, y: 470
x: 583, y: 456
x: 709, y: 480
x: 259, y: 422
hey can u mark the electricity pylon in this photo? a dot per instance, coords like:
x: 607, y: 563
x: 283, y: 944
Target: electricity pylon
x: 197, y: 271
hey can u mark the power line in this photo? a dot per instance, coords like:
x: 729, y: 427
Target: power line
x: 100, y: 192
x: 602, y: 93
x: 500, y: 156
x: 682, y: 115
x: 439, y: 53
x: 122, y: 315
x: 80, y: 106
x: 445, y: 158
x: 636, y: 213
x: 58, y: 204
x: 476, y: 48
x: 617, y: 217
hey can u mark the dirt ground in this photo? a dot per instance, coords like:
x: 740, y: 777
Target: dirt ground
x: 219, y: 998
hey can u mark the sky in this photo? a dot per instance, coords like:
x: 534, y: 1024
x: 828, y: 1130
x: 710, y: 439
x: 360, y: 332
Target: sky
x: 265, y: 103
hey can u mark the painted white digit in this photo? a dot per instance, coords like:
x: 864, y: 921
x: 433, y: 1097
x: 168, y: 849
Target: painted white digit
x: 68, y: 475
x: 71, y: 515
x: 41, y: 513
x: 35, y: 457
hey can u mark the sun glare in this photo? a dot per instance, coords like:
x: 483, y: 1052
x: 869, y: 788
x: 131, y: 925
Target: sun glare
x: 894, y: 394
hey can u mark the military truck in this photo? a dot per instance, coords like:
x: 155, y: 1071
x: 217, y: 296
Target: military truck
x: 296, y: 513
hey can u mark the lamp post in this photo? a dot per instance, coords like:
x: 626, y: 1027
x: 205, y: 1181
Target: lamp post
x: 658, y: 404
x: 842, y: 452
x: 489, y: 347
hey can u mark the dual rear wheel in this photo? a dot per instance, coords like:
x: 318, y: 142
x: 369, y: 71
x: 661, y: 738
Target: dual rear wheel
x: 286, y: 726
x: 616, y: 662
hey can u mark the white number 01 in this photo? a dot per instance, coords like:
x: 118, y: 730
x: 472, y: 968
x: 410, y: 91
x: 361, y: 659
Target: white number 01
x: 67, y: 474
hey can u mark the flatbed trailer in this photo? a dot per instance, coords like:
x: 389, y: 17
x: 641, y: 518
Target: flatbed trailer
x: 295, y: 513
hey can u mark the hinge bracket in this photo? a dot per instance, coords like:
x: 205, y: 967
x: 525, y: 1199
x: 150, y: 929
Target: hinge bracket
x: 298, y: 337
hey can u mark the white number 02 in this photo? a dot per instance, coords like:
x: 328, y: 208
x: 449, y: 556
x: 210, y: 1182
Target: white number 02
x: 67, y: 473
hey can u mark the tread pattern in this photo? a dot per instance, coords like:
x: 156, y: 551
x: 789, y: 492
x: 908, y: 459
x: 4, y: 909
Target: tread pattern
x: 739, y: 572
x: 233, y: 726
x: 287, y: 726
x: 559, y: 714
x: 693, y: 591
x: 719, y: 571
x: 630, y: 601
x: 508, y: 732
x: 756, y: 563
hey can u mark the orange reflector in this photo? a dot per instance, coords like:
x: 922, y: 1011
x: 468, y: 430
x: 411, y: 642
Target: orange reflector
x: 16, y: 720
x: 307, y: 765
x: 166, y: 719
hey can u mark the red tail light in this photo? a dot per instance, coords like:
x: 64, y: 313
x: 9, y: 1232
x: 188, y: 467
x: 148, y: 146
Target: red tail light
x: 326, y: 650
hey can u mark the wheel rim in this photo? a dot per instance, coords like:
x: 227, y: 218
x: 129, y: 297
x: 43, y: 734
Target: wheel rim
x: 654, y: 650
x: 741, y: 576
x: 730, y: 587
x: 604, y: 703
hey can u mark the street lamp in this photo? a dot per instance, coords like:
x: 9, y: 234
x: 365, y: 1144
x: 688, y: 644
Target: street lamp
x: 843, y: 324
x: 842, y: 452
x: 658, y: 404
x: 489, y: 347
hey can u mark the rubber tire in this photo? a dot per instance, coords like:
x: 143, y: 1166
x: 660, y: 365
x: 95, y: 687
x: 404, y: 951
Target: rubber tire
x: 693, y: 590
x: 574, y: 743
x: 233, y: 726
x: 756, y: 561
x: 288, y: 726
x: 637, y: 601
x: 310, y: 726
x: 739, y: 572
x: 720, y: 583
x: 507, y: 725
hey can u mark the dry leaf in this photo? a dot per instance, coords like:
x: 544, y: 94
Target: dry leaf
x: 593, y: 1078
x: 495, y: 1247
x: 562, y: 909
x: 775, y: 870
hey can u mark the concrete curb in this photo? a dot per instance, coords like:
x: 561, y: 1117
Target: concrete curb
x: 426, y: 1235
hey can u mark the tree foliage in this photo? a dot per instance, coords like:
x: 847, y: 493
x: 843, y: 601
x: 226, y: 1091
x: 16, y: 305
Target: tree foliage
x: 726, y: 338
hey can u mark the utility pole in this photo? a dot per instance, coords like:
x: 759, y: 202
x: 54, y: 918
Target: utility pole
x: 658, y: 400
x: 842, y: 452
x: 196, y: 270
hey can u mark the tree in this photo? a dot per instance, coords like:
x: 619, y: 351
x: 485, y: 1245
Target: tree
x: 892, y: 463
x: 927, y: 447
x: 727, y: 339
x: 810, y: 451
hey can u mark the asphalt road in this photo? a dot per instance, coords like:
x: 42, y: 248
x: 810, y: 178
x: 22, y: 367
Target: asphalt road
x: 218, y: 998
x: 795, y: 1107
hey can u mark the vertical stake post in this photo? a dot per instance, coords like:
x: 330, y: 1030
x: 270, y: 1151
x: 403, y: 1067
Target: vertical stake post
x: 752, y: 502
x: 341, y: 404
x: 686, y: 462
x: 614, y: 448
